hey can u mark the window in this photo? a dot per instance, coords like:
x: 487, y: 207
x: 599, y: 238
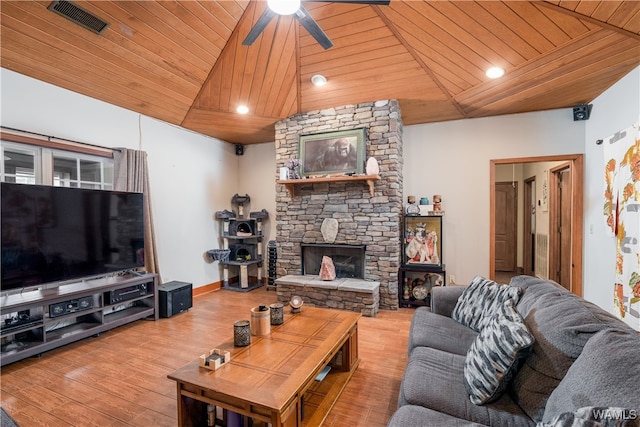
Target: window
x: 19, y: 164
x: 30, y: 164
x: 74, y: 170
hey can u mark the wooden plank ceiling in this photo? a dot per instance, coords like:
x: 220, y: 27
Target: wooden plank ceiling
x: 183, y: 61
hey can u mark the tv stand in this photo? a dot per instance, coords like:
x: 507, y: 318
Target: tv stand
x: 136, y: 273
x: 48, y: 319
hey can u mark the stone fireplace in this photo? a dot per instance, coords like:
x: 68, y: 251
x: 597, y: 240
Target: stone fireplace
x: 363, y: 220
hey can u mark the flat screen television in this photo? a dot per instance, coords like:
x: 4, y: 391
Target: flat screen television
x: 60, y: 234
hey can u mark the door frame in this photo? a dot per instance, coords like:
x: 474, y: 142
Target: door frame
x: 576, y: 162
x: 527, y: 228
x: 554, y: 217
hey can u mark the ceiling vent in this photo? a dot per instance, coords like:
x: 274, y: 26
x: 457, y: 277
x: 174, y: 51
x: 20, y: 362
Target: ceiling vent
x: 79, y: 16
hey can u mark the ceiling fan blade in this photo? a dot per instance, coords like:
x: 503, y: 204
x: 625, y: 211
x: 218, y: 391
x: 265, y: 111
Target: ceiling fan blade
x: 302, y: 15
x: 259, y: 27
x: 376, y: 2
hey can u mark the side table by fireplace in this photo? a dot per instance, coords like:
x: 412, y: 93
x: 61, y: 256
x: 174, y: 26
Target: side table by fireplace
x: 274, y: 379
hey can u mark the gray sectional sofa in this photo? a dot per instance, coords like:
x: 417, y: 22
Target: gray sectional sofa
x: 582, y: 357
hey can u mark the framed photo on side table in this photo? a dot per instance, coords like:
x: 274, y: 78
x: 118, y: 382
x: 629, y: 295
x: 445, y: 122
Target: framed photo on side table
x: 339, y: 152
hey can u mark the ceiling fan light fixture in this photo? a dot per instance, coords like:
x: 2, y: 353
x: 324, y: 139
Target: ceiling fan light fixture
x: 319, y: 80
x: 495, y: 72
x: 284, y: 7
x: 242, y: 109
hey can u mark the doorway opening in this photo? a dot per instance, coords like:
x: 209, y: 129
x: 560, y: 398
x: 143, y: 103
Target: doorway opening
x: 547, y: 217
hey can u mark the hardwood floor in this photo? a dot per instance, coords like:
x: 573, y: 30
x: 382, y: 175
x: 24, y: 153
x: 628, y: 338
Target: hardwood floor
x: 120, y: 377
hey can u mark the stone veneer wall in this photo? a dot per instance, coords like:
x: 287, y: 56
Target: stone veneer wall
x: 371, y: 221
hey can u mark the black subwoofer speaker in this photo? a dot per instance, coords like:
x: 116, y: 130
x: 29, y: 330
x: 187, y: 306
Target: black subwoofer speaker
x: 175, y: 297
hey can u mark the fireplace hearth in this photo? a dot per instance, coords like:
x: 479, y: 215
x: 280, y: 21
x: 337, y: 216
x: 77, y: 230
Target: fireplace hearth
x: 349, y: 260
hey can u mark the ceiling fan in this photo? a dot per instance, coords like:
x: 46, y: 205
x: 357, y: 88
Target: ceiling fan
x: 295, y: 7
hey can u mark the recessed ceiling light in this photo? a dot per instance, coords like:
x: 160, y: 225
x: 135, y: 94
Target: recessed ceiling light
x: 284, y: 7
x: 495, y: 72
x: 319, y: 80
x: 242, y: 109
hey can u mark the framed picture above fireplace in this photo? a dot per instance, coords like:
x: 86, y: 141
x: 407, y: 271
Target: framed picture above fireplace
x: 333, y: 153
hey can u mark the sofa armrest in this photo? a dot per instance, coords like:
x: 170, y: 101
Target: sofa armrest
x: 444, y: 299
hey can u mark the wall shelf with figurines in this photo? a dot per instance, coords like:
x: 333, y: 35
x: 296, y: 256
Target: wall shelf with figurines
x: 424, y: 208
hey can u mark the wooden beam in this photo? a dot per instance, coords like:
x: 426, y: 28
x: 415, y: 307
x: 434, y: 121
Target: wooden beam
x: 419, y: 60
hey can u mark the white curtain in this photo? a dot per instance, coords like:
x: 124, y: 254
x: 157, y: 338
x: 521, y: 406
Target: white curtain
x: 131, y: 174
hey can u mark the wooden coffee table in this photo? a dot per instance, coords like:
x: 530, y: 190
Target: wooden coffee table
x: 274, y: 378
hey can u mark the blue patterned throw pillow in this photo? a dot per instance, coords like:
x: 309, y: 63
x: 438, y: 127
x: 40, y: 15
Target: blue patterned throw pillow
x: 494, y: 356
x: 480, y: 300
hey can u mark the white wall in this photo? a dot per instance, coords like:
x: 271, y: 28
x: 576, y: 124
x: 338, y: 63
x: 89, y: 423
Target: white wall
x: 614, y: 110
x: 191, y: 175
x: 452, y: 159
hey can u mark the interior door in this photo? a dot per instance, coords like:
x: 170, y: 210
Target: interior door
x: 563, y: 206
x: 506, y: 208
x: 564, y: 201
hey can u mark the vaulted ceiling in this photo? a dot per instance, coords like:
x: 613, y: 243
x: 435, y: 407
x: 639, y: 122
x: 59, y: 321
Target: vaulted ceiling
x: 183, y: 61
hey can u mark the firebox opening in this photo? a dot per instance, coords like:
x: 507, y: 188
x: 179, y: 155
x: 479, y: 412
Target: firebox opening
x: 349, y: 260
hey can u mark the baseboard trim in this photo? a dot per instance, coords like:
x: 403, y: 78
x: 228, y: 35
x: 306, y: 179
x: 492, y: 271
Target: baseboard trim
x: 215, y: 286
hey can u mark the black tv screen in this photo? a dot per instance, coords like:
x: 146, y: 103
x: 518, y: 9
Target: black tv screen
x: 58, y: 234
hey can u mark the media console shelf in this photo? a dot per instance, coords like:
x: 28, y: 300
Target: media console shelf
x: 46, y: 319
x: 292, y: 183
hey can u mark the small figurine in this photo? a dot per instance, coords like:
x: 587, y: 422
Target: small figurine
x: 412, y: 209
x: 437, y: 202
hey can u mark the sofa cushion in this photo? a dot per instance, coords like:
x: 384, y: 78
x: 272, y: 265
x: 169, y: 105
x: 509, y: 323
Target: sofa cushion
x: 445, y: 298
x: 593, y: 416
x: 417, y: 416
x: 495, y: 355
x: 561, y: 324
x: 605, y: 374
x: 480, y: 300
x: 434, y: 379
x: 443, y: 333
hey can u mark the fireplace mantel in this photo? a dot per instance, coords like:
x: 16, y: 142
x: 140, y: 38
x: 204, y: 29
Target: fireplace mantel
x: 291, y: 183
